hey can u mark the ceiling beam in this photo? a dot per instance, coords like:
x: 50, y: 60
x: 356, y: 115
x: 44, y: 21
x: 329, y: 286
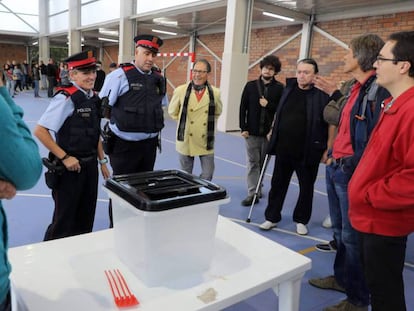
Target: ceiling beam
x: 373, y: 10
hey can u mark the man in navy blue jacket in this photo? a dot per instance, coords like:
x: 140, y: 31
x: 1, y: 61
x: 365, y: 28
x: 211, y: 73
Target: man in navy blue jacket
x: 299, y: 141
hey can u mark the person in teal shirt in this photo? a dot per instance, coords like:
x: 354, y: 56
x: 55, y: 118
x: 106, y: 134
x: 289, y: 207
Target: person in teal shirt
x: 20, y: 169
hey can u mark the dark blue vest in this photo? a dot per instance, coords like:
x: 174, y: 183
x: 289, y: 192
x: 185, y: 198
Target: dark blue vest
x: 80, y: 132
x: 139, y: 109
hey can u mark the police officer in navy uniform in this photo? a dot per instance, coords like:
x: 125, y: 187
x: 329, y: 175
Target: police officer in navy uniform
x: 135, y: 93
x: 73, y: 115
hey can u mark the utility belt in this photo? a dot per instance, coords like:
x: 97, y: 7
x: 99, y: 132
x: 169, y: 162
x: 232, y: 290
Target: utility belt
x: 55, y: 168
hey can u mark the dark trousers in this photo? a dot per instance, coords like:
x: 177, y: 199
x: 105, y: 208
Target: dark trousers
x: 383, y: 262
x: 50, y: 85
x: 130, y: 157
x: 6, y: 304
x: 75, y: 202
x: 282, y: 173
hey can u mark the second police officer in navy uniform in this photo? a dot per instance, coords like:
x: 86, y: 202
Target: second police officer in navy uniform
x: 74, y: 116
x: 135, y: 93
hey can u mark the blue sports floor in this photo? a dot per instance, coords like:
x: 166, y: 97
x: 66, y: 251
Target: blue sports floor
x: 30, y: 212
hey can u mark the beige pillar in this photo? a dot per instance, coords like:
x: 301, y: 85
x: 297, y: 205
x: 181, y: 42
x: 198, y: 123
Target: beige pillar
x: 235, y: 61
x: 127, y: 32
x: 75, y: 36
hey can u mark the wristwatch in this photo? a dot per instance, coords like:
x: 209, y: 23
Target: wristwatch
x: 103, y: 161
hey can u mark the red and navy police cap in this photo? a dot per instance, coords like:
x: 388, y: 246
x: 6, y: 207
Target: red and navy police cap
x: 83, y: 60
x: 148, y: 41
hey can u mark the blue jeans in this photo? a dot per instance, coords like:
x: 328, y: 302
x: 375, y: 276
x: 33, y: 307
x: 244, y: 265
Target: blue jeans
x: 36, y: 87
x: 347, y: 266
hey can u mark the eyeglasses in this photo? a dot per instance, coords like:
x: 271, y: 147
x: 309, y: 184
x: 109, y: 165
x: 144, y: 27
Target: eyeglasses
x: 198, y: 71
x: 383, y: 59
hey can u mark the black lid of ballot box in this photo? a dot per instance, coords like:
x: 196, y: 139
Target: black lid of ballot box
x: 165, y: 189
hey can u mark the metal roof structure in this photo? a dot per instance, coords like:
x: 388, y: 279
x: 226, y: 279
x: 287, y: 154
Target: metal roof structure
x: 202, y: 17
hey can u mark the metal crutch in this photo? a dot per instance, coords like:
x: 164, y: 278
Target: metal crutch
x: 265, y: 162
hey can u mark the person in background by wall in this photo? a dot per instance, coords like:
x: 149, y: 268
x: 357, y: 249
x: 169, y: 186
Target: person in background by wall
x: 8, y: 77
x: 36, y: 79
x: 100, y: 77
x: 64, y: 74
x: 20, y: 169
x: 112, y: 67
x: 51, y: 72
x: 74, y: 116
x: 381, y: 190
x: 43, y: 75
x: 196, y: 106
x: 26, y: 75
x: 17, y: 77
x: 258, y: 105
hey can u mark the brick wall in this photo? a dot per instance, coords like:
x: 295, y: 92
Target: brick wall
x: 12, y: 52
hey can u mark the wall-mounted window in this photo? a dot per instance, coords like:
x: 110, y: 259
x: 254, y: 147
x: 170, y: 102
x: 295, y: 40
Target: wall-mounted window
x: 19, y: 16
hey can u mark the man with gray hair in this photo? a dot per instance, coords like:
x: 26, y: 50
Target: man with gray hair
x: 358, y: 117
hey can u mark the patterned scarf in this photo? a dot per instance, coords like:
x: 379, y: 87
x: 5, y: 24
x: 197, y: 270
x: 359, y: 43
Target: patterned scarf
x: 211, y: 114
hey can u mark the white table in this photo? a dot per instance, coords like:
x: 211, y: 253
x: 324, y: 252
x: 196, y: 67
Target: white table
x: 68, y: 274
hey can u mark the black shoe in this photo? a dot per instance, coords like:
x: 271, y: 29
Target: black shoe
x: 326, y: 247
x: 248, y: 201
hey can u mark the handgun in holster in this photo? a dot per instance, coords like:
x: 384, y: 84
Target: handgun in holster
x: 55, y: 169
x: 107, y: 139
x: 105, y: 107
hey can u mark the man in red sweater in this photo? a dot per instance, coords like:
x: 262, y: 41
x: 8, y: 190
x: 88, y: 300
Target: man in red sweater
x: 381, y: 190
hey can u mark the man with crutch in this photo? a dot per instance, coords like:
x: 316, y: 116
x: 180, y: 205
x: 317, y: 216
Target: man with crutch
x: 299, y: 141
x: 258, y: 105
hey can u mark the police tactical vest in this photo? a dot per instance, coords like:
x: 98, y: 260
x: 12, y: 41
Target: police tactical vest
x: 139, y: 109
x: 79, y: 134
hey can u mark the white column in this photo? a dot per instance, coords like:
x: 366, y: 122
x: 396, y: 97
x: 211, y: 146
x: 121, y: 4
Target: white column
x: 235, y: 61
x: 127, y: 32
x: 44, y: 50
x: 306, y: 39
x: 75, y: 37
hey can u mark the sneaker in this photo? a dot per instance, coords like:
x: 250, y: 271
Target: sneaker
x: 248, y: 200
x: 301, y: 229
x: 345, y: 305
x: 328, y: 282
x: 326, y: 247
x: 267, y: 225
x: 327, y: 223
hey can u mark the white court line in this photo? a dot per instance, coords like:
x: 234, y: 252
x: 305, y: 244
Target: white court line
x: 47, y: 196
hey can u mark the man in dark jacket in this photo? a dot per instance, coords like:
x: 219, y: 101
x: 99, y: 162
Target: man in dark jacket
x: 100, y: 77
x: 51, y: 70
x: 257, y: 108
x: 299, y: 141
